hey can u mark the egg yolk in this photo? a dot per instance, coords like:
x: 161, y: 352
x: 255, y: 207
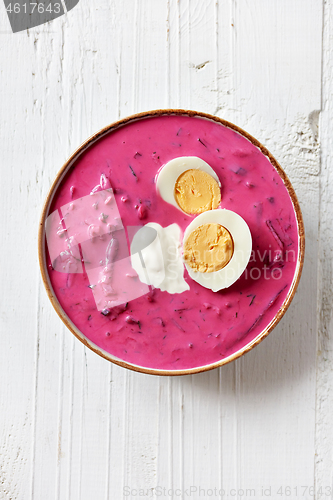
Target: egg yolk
x: 196, y: 192
x: 208, y: 248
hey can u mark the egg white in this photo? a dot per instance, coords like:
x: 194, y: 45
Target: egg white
x: 169, y: 173
x: 242, y: 239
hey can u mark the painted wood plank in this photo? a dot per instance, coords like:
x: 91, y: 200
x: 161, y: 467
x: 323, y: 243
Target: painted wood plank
x: 324, y: 406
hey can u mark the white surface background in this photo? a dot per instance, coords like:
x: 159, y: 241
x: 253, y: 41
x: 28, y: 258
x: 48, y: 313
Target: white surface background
x: 73, y: 426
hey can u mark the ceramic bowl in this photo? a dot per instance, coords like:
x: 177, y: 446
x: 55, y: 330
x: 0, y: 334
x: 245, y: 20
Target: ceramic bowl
x: 92, y: 142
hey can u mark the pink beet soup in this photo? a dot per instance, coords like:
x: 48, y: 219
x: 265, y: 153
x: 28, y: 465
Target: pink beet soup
x: 197, y: 327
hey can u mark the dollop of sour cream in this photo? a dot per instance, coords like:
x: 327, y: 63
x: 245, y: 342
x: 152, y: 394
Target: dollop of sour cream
x: 159, y: 262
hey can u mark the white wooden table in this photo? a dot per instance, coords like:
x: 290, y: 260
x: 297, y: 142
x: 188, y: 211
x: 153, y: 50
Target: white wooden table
x: 75, y: 427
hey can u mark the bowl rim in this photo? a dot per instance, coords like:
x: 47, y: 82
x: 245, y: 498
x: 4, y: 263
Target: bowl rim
x: 42, y: 254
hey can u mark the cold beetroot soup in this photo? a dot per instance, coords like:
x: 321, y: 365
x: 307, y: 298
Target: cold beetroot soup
x: 116, y: 175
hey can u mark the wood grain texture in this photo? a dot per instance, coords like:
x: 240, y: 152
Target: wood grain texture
x: 324, y: 407
x: 73, y: 426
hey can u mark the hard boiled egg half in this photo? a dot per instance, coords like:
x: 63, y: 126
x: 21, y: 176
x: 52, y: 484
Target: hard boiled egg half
x: 217, y: 247
x: 189, y: 184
